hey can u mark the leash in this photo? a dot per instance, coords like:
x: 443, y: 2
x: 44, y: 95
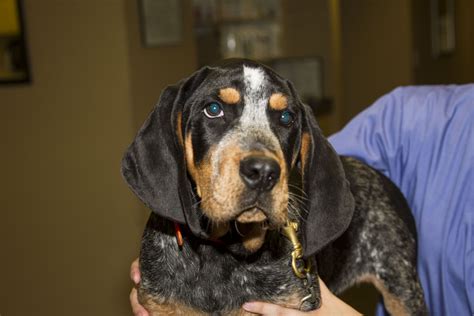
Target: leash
x: 302, y: 268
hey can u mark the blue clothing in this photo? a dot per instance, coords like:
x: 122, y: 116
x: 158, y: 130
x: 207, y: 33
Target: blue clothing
x: 422, y: 138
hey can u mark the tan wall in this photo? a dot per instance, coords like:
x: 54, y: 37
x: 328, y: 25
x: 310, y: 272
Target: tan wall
x: 455, y: 68
x: 154, y: 68
x: 68, y: 225
x: 377, y: 51
x: 376, y: 41
x: 308, y: 30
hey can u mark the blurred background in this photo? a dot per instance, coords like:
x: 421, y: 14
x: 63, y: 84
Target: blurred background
x: 78, y: 77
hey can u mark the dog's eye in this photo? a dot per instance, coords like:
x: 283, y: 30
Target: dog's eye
x: 213, y: 110
x: 286, y: 118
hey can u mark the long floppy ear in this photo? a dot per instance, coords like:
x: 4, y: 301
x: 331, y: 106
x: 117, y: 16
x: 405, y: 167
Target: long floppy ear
x: 330, y: 204
x: 154, y: 164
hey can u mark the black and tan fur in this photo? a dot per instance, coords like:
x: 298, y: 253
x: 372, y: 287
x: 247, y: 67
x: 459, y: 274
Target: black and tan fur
x: 224, y: 178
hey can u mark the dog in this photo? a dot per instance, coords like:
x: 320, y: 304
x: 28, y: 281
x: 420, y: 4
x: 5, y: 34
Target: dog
x: 213, y: 162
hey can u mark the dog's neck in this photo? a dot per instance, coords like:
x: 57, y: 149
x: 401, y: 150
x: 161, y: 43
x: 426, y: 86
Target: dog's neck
x: 220, y: 272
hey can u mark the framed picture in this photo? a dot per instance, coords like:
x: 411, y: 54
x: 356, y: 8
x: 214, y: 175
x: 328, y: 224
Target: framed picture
x: 14, y: 65
x: 442, y: 28
x: 239, y: 28
x: 161, y: 22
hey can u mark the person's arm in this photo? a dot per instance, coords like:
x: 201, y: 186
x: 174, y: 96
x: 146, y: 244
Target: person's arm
x: 422, y: 138
x: 376, y: 135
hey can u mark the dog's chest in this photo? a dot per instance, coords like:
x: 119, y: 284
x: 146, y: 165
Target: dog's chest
x: 211, y: 280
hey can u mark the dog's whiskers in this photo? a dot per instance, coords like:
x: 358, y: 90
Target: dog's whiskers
x: 298, y: 189
x: 296, y: 199
x: 296, y: 211
x: 301, y: 197
x: 297, y: 202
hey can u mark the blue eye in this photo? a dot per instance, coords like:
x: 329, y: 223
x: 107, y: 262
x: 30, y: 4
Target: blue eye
x: 213, y: 110
x: 286, y: 118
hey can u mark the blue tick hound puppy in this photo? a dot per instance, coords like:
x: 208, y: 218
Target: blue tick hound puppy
x: 213, y: 162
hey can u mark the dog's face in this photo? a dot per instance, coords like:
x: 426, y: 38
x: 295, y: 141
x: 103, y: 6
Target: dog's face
x: 219, y: 147
x: 241, y: 140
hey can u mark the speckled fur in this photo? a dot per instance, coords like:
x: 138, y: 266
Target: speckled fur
x: 208, y: 278
x: 379, y: 243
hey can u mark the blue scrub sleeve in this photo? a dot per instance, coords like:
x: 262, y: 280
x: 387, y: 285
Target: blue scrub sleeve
x: 422, y: 138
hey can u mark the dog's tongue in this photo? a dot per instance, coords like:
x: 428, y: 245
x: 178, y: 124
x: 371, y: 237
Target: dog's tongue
x: 250, y: 226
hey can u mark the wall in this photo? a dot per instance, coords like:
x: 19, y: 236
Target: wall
x: 455, y: 68
x: 69, y: 227
x: 310, y: 29
x: 154, y: 68
x: 376, y: 56
x: 377, y: 51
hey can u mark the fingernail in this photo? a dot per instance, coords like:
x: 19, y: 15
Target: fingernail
x: 136, y: 279
x: 249, y: 306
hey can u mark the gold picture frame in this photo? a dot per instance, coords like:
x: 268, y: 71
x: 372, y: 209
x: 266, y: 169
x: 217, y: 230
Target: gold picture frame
x: 14, y: 65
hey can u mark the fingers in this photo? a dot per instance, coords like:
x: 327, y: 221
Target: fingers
x: 135, y: 272
x: 325, y: 292
x: 332, y: 305
x: 267, y: 309
x: 137, y: 309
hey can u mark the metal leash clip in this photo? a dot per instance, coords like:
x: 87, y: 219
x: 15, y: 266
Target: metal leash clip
x: 301, y: 267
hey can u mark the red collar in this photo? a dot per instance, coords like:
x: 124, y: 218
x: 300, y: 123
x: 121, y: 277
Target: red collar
x: 179, y: 235
x: 180, y: 241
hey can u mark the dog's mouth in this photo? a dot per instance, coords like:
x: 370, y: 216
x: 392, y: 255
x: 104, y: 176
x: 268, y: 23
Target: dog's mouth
x: 252, y: 226
x: 249, y: 227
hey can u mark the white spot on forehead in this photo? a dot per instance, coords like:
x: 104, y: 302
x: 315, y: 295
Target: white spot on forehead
x: 254, y: 78
x: 255, y: 99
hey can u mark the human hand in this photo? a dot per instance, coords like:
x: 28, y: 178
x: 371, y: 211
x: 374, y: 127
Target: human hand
x: 330, y: 305
x: 138, y: 310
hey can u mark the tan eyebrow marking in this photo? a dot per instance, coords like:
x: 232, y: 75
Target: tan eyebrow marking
x: 229, y: 95
x: 278, y: 101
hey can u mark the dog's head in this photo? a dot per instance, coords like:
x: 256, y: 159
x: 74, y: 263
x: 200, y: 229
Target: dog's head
x: 217, y: 150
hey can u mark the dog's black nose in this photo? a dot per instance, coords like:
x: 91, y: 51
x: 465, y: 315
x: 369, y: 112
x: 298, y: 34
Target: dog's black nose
x: 259, y: 173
